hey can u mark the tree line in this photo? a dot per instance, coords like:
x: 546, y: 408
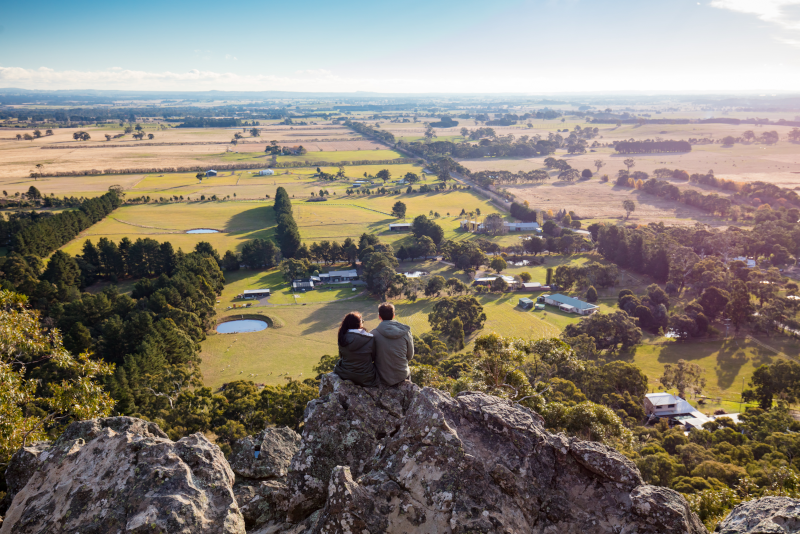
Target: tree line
x: 522, y: 212
x: 369, y: 131
x: 645, y: 147
x: 41, y: 234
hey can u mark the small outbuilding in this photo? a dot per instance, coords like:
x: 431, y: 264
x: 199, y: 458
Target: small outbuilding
x: 303, y: 285
x: 211, y: 172
x: 266, y: 172
x: 400, y: 227
x: 255, y: 293
x: 525, y: 303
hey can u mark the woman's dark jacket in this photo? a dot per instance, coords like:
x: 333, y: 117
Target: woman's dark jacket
x: 356, y: 360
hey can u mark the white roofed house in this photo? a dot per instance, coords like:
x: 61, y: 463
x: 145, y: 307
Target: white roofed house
x: 678, y: 411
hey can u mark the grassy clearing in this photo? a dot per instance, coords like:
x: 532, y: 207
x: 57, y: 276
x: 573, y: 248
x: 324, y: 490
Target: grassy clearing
x: 727, y: 364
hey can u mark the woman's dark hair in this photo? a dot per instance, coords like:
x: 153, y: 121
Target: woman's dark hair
x: 351, y: 321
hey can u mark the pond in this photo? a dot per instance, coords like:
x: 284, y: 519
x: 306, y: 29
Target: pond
x: 202, y: 231
x: 241, y: 326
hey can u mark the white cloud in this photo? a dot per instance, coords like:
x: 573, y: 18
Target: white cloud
x: 773, y: 11
x: 234, y: 58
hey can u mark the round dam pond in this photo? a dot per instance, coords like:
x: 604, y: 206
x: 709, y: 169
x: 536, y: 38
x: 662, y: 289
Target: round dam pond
x: 202, y: 231
x: 241, y: 326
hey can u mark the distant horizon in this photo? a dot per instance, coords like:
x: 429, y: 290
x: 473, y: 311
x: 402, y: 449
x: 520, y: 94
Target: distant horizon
x: 763, y: 93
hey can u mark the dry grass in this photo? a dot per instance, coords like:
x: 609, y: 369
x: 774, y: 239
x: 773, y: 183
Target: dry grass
x: 597, y: 200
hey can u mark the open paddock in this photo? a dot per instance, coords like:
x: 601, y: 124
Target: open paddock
x: 593, y: 199
x: 237, y: 222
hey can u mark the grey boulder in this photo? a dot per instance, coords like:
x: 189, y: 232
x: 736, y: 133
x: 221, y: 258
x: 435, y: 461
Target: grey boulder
x: 277, y: 446
x: 768, y: 515
x: 122, y: 474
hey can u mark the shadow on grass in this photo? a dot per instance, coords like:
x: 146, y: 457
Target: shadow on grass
x: 730, y: 359
x: 258, y: 222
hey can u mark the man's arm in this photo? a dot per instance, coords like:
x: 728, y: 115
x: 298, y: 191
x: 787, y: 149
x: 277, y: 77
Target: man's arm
x: 410, y: 346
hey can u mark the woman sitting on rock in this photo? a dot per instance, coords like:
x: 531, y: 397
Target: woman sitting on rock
x: 356, y: 352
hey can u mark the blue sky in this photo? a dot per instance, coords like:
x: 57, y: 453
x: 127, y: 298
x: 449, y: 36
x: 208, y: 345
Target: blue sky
x: 529, y: 46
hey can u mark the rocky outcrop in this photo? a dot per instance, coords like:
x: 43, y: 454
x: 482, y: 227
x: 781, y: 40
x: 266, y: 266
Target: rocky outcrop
x: 123, y: 474
x: 768, y: 515
x: 417, y: 460
x: 371, y: 460
x: 260, y: 487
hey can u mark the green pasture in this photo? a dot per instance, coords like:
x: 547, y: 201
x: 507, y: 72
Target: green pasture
x: 237, y: 222
x: 311, y: 157
x: 298, y: 182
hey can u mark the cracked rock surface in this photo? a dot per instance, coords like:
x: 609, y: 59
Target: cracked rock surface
x: 768, y: 515
x: 122, y: 474
x: 260, y: 487
x: 416, y: 460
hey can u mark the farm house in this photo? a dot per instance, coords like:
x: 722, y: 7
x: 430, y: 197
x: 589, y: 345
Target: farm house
x: 400, y: 227
x: 338, y: 277
x: 569, y: 304
x: 266, y: 172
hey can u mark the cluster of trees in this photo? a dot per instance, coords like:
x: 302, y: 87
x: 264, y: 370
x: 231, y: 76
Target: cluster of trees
x: 763, y: 192
x: 41, y: 234
x: 525, y: 146
x: 444, y: 122
x: 487, y: 178
x: 138, y: 259
x: 523, y: 213
x: 650, y: 310
x: 645, y: 147
x: 369, y: 131
x: 286, y: 232
x: 711, y: 202
x: 574, y: 393
x: 207, y: 122
x: 703, y: 261
x: 589, y: 274
x: 422, y: 226
x: 332, y: 251
x: 256, y: 254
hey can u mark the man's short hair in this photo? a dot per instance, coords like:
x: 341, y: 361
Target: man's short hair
x: 386, y: 311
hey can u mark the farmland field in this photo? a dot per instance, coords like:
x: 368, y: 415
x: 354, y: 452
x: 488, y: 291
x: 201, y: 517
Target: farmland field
x: 304, y: 324
x: 593, y: 199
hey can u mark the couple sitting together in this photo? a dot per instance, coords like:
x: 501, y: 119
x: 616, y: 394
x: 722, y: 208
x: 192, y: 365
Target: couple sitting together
x: 374, y: 358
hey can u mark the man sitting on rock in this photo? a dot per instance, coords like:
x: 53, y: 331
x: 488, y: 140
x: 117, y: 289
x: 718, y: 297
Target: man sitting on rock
x: 394, y: 348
